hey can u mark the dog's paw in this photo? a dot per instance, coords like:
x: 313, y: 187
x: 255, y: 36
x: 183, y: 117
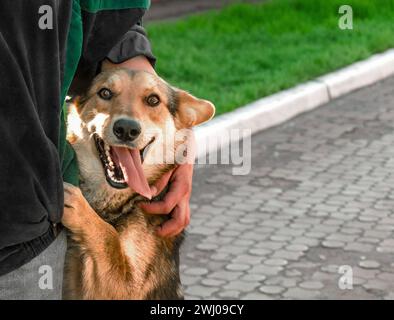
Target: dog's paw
x: 77, y: 211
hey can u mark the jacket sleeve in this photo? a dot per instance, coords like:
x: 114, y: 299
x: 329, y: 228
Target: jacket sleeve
x: 116, y: 35
x: 134, y: 43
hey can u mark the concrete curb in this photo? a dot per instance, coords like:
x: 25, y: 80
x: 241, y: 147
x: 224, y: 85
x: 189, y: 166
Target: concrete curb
x: 280, y: 107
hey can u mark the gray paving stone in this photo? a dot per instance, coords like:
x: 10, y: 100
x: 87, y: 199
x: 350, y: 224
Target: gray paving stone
x: 280, y: 238
x: 385, y: 249
x: 359, y: 247
x: 386, y: 276
x: 225, y: 275
x: 218, y: 240
x: 207, y: 246
x: 259, y: 252
x: 245, y: 207
x: 244, y: 242
x: 312, y: 285
x: 351, y: 231
x: 389, y: 296
x: 315, y: 235
x: 287, y: 255
x: 324, y: 229
x: 265, y: 270
x: 302, y: 226
x: 365, y: 273
x: 229, y: 294
x: 282, y: 281
x: 271, y: 289
x: 377, y: 234
x: 195, y: 271
x: 247, y: 259
x: 269, y: 245
x: 331, y: 268
x: 323, y: 276
x: 242, y: 286
x: 230, y: 233
x: 388, y: 243
x: 189, y: 280
x: 290, y: 232
x: 297, y: 247
x: 212, y: 282
x: 301, y: 294
x: 306, y: 241
x: 275, y: 262
x: 253, y: 236
x: 256, y: 296
x: 202, y: 231
x: 369, y: 264
x: 231, y: 249
x: 341, y: 237
x: 358, y: 281
x: 376, y: 284
x: 237, y: 267
x: 253, y: 278
x: 293, y: 273
x: 220, y: 256
x: 333, y: 222
x: 249, y: 221
x: 200, y: 291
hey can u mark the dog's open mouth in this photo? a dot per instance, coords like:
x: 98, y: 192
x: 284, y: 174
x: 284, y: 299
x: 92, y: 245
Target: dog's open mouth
x: 123, y: 166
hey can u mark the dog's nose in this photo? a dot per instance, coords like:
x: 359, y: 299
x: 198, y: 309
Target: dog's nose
x: 126, y: 130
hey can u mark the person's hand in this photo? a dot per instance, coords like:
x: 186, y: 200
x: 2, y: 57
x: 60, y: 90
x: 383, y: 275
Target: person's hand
x: 175, y: 202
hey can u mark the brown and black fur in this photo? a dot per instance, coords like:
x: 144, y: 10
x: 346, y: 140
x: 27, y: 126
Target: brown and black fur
x: 114, y: 251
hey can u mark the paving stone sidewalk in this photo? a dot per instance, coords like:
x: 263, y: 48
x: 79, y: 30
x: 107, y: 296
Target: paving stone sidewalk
x: 320, y: 196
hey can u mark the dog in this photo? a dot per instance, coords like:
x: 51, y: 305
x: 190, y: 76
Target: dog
x: 118, y: 129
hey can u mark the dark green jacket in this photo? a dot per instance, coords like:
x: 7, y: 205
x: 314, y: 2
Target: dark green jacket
x: 38, y: 68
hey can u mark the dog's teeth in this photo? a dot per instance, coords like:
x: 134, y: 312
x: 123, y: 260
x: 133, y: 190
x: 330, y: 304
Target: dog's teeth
x: 109, y: 159
x: 106, y: 147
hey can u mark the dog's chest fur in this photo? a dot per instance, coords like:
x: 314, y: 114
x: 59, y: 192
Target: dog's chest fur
x: 154, y: 260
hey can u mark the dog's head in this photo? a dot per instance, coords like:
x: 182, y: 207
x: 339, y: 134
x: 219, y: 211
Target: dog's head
x: 124, y: 128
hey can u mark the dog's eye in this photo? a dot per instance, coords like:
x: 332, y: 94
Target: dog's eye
x: 105, y: 94
x: 153, y: 100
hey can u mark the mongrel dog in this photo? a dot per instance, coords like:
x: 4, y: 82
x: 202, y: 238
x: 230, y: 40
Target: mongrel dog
x: 116, y: 130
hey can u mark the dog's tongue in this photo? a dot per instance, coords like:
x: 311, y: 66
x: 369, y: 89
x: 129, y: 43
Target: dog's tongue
x: 130, y: 162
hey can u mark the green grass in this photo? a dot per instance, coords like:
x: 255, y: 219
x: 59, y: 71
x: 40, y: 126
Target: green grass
x: 246, y: 52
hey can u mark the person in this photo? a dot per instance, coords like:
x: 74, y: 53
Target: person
x: 51, y: 48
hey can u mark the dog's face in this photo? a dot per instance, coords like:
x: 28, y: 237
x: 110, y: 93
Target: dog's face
x: 125, y: 127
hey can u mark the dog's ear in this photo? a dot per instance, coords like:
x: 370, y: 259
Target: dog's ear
x: 78, y: 102
x: 192, y: 111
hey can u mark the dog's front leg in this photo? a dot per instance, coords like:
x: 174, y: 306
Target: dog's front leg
x: 106, y: 272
